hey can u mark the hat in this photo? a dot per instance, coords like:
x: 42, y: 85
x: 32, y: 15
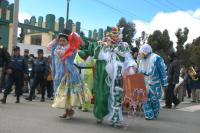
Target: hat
x: 40, y: 51
x: 145, y: 48
x: 115, y: 30
x: 26, y: 50
x: 65, y: 33
x: 134, y: 49
x: 172, y: 53
x: 16, y: 48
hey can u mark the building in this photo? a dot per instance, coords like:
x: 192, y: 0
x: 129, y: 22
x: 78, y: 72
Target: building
x: 42, y: 37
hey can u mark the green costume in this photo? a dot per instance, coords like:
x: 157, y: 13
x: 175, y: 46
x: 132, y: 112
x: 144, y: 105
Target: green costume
x: 100, y: 88
x: 86, y: 75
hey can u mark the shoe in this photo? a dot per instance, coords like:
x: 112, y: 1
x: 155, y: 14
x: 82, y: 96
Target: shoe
x: 28, y: 99
x: 42, y: 100
x: 99, y: 121
x: 34, y: 97
x: 167, y: 107
x: 17, y: 101
x: 85, y: 110
x: 118, y: 125
x: 65, y: 114
x: 52, y: 98
x: 148, y: 119
x: 3, y: 101
x: 71, y: 113
x: 177, y: 104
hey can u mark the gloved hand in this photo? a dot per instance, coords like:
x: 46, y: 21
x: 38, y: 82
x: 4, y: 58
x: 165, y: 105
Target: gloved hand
x: 9, y: 71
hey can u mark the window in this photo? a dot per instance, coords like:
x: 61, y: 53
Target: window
x: 36, y: 39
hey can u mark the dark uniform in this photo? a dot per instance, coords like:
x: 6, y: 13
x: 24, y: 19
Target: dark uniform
x: 15, y: 75
x: 4, y: 60
x: 39, y: 74
x: 173, y: 79
x: 29, y: 61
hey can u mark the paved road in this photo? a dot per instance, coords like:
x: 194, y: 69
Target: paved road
x: 36, y: 117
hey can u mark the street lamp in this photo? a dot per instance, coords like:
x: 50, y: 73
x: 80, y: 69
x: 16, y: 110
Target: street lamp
x: 15, y: 22
x: 67, y: 18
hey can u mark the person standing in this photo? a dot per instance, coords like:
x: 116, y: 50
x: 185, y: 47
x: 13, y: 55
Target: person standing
x: 194, y: 75
x: 49, y: 83
x: 16, y: 71
x: 26, y: 80
x: 154, y: 69
x: 113, y: 57
x: 84, y: 64
x: 67, y: 88
x: 134, y: 52
x: 4, y: 60
x: 173, y: 79
x: 39, y: 75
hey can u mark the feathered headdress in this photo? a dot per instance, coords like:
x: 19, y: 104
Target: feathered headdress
x: 74, y: 42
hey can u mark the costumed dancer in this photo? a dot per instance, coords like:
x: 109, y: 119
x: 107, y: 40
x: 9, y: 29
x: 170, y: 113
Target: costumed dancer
x: 67, y: 88
x: 154, y: 69
x: 111, y: 61
x: 85, y: 64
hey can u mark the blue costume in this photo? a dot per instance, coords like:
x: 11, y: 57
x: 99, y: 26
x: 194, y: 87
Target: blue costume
x: 67, y: 88
x: 154, y: 69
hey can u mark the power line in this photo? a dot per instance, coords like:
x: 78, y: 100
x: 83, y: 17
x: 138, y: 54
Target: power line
x: 85, y: 29
x: 172, y: 4
x: 121, y: 11
x: 164, y: 4
x: 154, y: 5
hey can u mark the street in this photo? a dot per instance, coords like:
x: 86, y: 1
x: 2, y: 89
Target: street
x: 36, y: 117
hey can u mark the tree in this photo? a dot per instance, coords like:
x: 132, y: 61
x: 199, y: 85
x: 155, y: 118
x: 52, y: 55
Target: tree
x: 128, y: 30
x: 142, y: 39
x: 161, y: 43
x: 192, y: 53
x: 4, y: 1
x: 182, y: 37
x: 122, y: 23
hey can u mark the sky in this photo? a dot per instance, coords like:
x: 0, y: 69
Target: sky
x: 148, y: 15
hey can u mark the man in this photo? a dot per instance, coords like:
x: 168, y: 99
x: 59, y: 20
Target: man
x: 134, y: 52
x: 16, y: 70
x: 39, y: 75
x: 173, y: 79
x: 194, y: 75
x: 154, y: 69
x: 49, y: 83
x: 27, y: 61
x: 4, y: 59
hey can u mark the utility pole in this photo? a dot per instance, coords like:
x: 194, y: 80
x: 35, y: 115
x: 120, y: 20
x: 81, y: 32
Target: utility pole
x: 67, y: 17
x: 15, y: 22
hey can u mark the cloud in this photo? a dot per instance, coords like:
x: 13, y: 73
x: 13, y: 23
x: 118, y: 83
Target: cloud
x: 172, y: 21
x: 23, y: 16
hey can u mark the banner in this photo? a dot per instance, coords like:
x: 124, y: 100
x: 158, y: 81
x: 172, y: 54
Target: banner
x: 134, y: 89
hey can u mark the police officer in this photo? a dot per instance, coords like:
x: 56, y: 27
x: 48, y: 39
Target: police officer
x: 28, y: 60
x: 39, y: 74
x: 16, y: 70
x: 4, y: 60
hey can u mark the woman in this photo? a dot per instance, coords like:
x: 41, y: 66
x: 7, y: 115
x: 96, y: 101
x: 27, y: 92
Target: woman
x: 67, y: 88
